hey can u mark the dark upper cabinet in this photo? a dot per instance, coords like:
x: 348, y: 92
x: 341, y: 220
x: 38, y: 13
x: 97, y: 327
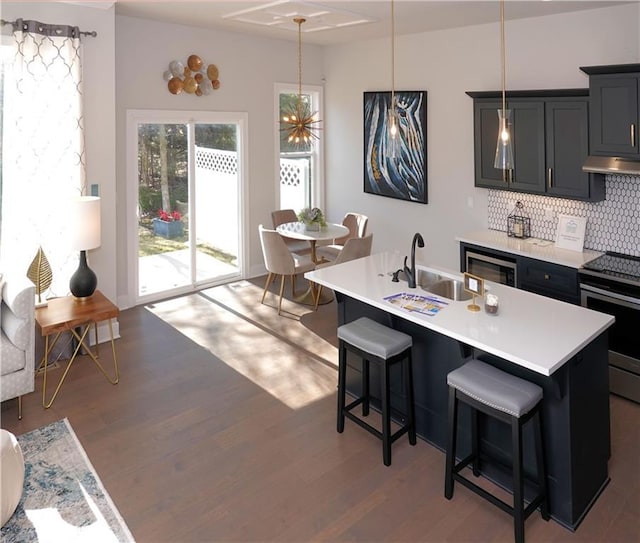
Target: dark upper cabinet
x: 550, y: 131
x: 615, y: 109
x: 527, y: 128
x: 567, y: 147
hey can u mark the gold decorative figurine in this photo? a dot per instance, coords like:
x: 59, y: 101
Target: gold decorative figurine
x: 39, y: 273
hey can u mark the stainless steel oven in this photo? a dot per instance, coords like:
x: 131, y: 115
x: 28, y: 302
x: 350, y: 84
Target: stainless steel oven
x: 611, y: 284
x: 492, y: 268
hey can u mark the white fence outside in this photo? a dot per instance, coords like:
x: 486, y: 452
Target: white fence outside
x: 217, y: 192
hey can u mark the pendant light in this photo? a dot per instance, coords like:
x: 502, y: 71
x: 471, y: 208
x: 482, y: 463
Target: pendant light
x: 504, y: 148
x: 299, y: 123
x: 393, y: 121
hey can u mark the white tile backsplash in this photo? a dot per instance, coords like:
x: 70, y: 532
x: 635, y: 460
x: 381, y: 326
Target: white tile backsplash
x: 612, y: 225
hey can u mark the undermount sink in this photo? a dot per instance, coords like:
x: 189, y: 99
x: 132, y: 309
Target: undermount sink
x: 451, y: 289
x: 424, y: 279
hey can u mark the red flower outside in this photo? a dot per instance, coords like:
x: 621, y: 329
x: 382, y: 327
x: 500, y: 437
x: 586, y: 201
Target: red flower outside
x: 169, y: 216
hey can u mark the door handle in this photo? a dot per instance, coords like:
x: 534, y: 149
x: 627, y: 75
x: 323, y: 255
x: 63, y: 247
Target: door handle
x: 549, y: 177
x: 633, y: 135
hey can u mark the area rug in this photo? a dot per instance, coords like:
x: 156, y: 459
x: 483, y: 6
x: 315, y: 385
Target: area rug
x: 63, y: 497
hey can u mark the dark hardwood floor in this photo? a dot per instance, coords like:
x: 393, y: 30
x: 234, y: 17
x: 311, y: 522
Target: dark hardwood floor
x: 222, y: 428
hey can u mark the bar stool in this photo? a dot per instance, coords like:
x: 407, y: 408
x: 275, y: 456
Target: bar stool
x: 374, y: 342
x: 509, y: 399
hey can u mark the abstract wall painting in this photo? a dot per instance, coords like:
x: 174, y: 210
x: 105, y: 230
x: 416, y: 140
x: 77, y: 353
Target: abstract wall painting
x: 404, y: 176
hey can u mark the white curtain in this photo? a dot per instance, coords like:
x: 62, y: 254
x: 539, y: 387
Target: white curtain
x: 43, y: 162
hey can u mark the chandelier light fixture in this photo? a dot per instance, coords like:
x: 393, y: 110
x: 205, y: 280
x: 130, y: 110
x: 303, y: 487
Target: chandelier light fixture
x: 298, y: 122
x: 504, y: 149
x: 393, y: 122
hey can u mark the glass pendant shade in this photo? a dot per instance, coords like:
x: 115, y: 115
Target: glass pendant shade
x: 393, y: 133
x: 504, y: 148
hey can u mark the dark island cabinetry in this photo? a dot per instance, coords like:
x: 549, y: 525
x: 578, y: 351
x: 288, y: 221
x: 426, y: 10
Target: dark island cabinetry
x: 576, y: 410
x: 615, y: 109
x: 550, y: 131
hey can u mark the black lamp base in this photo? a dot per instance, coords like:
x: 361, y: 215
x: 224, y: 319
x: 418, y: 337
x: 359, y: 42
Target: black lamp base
x: 83, y: 282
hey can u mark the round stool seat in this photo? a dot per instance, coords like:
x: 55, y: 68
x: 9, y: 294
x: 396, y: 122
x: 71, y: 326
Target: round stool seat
x: 11, y: 475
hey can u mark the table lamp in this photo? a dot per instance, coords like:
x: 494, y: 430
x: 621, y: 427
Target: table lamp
x: 84, y: 223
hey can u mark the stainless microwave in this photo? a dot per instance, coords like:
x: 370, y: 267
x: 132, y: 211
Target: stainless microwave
x: 491, y: 268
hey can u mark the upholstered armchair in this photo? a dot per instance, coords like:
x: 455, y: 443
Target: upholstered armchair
x: 282, y: 216
x: 357, y: 225
x: 354, y: 248
x: 280, y: 261
x: 17, y: 339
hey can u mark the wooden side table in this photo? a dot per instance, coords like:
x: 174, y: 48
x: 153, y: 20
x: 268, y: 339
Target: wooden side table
x: 67, y: 314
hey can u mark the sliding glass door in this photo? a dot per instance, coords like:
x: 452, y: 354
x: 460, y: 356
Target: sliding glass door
x: 189, y: 210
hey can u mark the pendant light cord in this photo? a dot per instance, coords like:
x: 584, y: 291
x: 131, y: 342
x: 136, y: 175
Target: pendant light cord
x: 503, y: 57
x: 393, y: 57
x: 299, y: 20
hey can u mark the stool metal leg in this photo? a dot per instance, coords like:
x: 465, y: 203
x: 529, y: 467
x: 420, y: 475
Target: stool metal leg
x: 365, y: 387
x: 451, y: 443
x: 342, y: 384
x: 518, y: 480
x: 542, y: 472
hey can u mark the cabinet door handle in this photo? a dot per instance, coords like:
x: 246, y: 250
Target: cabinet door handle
x: 633, y: 135
x: 511, y: 176
x: 549, y: 177
x: 547, y: 276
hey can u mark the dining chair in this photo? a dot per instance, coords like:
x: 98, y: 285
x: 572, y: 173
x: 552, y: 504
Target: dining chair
x: 282, y: 216
x: 357, y: 225
x: 280, y: 261
x: 353, y: 249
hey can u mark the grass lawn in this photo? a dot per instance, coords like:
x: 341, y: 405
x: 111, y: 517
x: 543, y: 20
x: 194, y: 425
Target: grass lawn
x: 150, y: 244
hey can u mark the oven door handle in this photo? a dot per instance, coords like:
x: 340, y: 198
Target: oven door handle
x: 630, y: 302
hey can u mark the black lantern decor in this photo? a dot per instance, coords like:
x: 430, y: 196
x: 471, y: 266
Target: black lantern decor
x: 518, y: 222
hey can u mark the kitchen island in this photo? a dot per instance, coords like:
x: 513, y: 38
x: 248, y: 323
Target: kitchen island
x: 561, y: 347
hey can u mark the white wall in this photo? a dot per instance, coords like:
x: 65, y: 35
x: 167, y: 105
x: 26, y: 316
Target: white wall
x: 123, y: 70
x: 249, y: 68
x: 542, y: 53
x: 99, y: 107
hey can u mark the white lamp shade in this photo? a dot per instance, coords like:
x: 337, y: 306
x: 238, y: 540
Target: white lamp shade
x: 84, y: 223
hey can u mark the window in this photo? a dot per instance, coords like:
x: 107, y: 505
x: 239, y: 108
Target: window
x: 186, y: 178
x: 300, y: 173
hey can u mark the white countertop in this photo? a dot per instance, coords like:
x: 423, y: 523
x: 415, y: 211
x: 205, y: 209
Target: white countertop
x: 533, y: 331
x: 494, y: 239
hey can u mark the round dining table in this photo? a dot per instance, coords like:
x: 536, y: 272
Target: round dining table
x: 298, y: 230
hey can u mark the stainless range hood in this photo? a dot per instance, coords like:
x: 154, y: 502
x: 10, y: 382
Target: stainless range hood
x: 612, y: 165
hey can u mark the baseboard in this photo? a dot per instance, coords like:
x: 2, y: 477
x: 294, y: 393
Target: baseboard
x: 103, y: 332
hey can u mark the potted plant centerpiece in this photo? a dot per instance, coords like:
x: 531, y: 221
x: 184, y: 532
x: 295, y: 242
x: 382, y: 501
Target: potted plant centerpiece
x: 168, y: 224
x: 312, y: 218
